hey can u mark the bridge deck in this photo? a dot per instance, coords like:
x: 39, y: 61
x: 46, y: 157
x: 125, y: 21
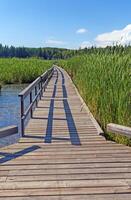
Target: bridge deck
x: 62, y: 156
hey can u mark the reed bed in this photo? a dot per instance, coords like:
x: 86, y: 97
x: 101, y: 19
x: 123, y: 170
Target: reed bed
x: 103, y: 81
x: 14, y: 70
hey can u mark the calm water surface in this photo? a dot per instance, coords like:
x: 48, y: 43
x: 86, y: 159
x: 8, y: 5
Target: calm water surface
x: 10, y: 104
x: 10, y: 107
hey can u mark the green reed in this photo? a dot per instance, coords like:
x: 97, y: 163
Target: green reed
x: 103, y: 81
x: 14, y: 70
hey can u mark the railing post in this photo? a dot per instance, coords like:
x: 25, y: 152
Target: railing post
x: 48, y: 76
x: 36, y: 94
x: 47, y: 79
x: 22, y: 115
x: 31, y: 112
x: 40, y: 87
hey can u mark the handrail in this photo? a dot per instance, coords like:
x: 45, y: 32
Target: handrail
x: 38, y: 86
x: 119, y: 129
x: 26, y: 91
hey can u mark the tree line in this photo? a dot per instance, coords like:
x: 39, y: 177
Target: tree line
x: 45, y: 53
x: 49, y: 53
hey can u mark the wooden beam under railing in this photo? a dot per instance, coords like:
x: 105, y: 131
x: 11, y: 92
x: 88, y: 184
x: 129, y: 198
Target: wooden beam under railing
x: 8, y: 131
x: 120, y: 129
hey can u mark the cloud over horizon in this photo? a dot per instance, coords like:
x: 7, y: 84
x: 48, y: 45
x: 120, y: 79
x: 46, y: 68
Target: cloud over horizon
x: 122, y: 36
x: 115, y: 37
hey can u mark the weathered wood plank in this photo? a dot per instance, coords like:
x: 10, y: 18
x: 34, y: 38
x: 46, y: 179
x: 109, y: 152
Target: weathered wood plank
x: 65, y: 184
x: 50, y: 177
x: 66, y: 165
x: 118, y: 196
x: 66, y: 191
x: 123, y: 130
x: 67, y: 171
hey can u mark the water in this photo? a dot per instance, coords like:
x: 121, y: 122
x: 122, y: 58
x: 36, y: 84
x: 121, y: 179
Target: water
x: 10, y: 108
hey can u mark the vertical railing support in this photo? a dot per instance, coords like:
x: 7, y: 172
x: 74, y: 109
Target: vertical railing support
x: 48, y: 77
x: 35, y: 95
x: 41, y: 87
x: 22, y: 115
x: 31, y: 111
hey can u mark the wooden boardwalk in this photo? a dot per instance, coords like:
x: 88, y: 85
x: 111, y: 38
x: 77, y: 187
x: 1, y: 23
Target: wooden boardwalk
x: 62, y: 156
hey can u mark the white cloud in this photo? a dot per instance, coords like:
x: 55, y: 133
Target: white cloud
x: 54, y: 42
x: 86, y: 44
x: 122, y: 36
x: 81, y: 31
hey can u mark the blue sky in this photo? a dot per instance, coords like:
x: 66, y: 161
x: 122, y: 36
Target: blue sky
x: 65, y: 23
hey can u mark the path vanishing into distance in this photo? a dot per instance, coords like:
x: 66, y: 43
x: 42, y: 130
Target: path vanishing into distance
x: 62, y: 155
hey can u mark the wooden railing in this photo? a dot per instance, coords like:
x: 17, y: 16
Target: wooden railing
x: 37, y: 86
x: 8, y: 131
x: 119, y: 129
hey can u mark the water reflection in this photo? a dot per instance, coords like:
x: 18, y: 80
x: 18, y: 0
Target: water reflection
x: 10, y: 104
x: 10, y: 110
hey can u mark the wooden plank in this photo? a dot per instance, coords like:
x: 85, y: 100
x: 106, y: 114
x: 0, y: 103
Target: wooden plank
x: 65, y: 184
x: 8, y: 131
x: 65, y: 191
x: 67, y: 161
x: 118, y: 196
x: 79, y: 171
x: 115, y: 128
x: 65, y: 165
x: 72, y: 156
x: 54, y: 152
x: 50, y: 177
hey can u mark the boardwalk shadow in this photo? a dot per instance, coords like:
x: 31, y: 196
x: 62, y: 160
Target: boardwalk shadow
x: 63, y: 85
x: 48, y: 136
x: 49, y: 128
x: 74, y: 137
x: 11, y: 156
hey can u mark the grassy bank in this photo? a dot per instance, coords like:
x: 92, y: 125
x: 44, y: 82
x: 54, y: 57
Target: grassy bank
x: 103, y: 81
x: 14, y: 70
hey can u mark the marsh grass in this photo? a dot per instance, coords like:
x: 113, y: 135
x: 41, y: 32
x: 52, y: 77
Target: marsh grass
x: 15, y: 70
x: 103, y: 81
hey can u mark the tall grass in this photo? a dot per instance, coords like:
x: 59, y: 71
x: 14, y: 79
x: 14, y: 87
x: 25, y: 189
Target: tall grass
x: 104, y: 83
x: 14, y: 70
